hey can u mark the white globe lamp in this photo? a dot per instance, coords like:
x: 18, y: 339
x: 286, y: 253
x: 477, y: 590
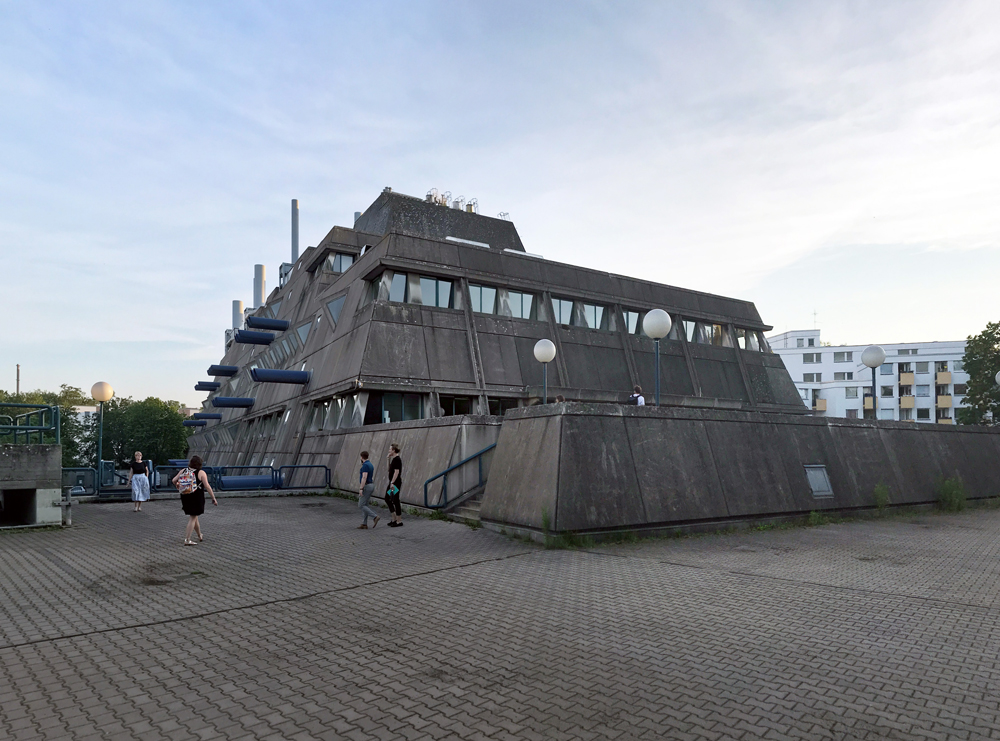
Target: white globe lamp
x: 656, y: 324
x: 545, y: 353
x: 102, y: 392
x: 873, y: 357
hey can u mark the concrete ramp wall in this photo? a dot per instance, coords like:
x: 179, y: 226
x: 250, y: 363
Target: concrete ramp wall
x: 602, y: 467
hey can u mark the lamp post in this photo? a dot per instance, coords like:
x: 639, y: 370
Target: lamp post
x: 656, y: 324
x: 873, y: 357
x: 545, y: 353
x: 101, y: 392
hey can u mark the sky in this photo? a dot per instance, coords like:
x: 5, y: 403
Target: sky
x: 836, y: 163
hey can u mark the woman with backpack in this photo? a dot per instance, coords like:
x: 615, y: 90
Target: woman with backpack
x: 192, y: 483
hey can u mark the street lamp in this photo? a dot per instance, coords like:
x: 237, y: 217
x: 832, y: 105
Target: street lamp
x: 873, y: 357
x: 545, y: 353
x: 101, y: 392
x: 657, y: 324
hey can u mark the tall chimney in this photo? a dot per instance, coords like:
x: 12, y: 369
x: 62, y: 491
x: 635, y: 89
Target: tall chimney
x: 237, y: 315
x: 258, y: 286
x: 357, y: 215
x: 295, y: 230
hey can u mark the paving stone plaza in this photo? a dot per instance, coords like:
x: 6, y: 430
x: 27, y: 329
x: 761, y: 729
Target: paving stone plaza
x: 288, y: 623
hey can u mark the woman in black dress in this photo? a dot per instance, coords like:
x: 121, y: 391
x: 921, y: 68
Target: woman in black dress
x: 193, y: 503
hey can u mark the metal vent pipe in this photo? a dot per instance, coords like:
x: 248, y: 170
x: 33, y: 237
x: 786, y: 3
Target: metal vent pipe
x: 237, y: 315
x: 258, y: 286
x: 295, y: 230
x: 357, y: 215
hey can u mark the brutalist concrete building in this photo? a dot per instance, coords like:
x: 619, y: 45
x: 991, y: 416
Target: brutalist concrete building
x: 418, y: 326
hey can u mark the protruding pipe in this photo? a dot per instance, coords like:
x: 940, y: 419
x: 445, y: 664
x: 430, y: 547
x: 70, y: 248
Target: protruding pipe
x: 262, y: 322
x: 194, y: 423
x: 223, y: 370
x: 295, y: 230
x: 258, y: 286
x: 274, y: 375
x: 237, y: 402
x: 249, y: 337
x: 206, y: 415
x: 357, y: 215
x: 237, y: 315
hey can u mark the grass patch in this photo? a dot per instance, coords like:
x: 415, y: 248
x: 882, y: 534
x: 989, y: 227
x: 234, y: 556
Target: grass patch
x: 881, y: 497
x: 438, y: 514
x: 951, y: 494
x: 816, y: 519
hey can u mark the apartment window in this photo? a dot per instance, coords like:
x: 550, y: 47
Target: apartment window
x: 906, y: 390
x: 338, y: 263
x: 942, y: 414
x: 885, y: 369
x: 843, y: 357
x: 436, y: 292
x: 961, y: 389
x: 922, y: 390
x: 521, y: 304
x: 906, y: 352
x: 812, y: 357
x: 941, y: 366
x: 887, y: 414
x: 851, y: 392
x: 593, y: 315
x: 562, y: 310
x: 812, y: 342
x: 923, y: 414
x: 923, y: 367
x: 812, y: 378
x: 941, y: 390
x: 905, y: 415
x: 804, y: 393
x: 852, y: 413
x: 887, y: 391
x: 800, y: 342
x: 957, y: 365
x: 335, y: 307
x: 844, y: 376
x: 905, y: 367
x: 484, y: 299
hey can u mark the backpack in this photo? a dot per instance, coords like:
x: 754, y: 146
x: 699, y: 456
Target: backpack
x: 634, y: 400
x: 187, y: 481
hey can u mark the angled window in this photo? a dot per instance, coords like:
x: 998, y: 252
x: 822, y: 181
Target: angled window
x: 819, y: 481
x: 338, y: 262
x: 335, y: 307
x: 303, y: 331
x: 483, y: 298
x: 632, y: 321
x: 593, y: 316
x: 436, y: 292
x: 521, y: 304
x: 397, y: 288
x: 562, y: 310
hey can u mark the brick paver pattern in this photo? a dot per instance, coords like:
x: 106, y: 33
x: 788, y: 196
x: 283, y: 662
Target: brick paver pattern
x: 288, y: 623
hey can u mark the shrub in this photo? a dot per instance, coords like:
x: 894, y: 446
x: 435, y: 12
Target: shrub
x: 817, y: 518
x: 882, y: 497
x: 951, y: 494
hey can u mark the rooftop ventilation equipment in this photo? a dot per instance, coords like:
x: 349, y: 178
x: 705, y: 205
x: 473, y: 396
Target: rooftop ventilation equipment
x: 472, y: 206
x: 503, y: 215
x: 459, y: 203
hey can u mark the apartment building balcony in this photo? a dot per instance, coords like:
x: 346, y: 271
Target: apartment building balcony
x: 868, y: 403
x: 944, y: 402
x: 907, y: 402
x: 907, y: 379
x: 819, y: 405
x: 943, y: 378
x: 946, y: 421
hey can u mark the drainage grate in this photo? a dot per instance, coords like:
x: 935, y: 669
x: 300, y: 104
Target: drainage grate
x: 819, y: 482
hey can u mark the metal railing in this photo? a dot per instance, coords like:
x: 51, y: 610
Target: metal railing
x: 285, y: 481
x: 444, y: 475
x: 82, y: 477
x: 24, y: 427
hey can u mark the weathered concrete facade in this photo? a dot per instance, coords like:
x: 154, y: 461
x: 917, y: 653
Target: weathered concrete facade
x: 423, y: 311
x: 599, y: 467
x: 30, y: 485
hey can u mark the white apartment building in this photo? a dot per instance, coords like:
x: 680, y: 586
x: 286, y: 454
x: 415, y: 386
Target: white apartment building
x: 919, y: 381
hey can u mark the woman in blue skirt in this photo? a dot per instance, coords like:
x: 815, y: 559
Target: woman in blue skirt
x: 139, y: 481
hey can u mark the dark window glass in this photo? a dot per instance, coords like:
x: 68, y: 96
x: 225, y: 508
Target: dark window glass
x: 335, y: 308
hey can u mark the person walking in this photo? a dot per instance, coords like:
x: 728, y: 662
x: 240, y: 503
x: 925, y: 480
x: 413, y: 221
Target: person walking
x: 366, y: 490
x: 192, y: 483
x: 636, y: 399
x: 139, y: 481
x: 395, y: 484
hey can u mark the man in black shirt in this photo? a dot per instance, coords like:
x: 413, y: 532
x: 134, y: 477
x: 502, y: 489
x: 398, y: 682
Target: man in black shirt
x: 395, y: 484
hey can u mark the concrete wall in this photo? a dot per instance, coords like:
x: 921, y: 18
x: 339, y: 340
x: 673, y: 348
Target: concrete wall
x: 601, y: 467
x: 30, y: 473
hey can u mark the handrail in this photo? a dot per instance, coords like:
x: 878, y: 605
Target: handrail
x: 22, y: 423
x: 279, y: 477
x: 445, y: 472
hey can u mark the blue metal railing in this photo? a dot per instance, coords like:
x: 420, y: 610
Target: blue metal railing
x: 85, y: 478
x: 281, y: 481
x: 38, y: 420
x: 444, y: 474
x: 231, y: 478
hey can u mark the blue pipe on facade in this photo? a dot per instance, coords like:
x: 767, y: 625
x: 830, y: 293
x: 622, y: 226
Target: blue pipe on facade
x: 194, y: 423
x: 246, y: 337
x: 271, y: 375
x: 262, y: 322
x: 206, y: 415
x: 239, y: 402
x: 223, y: 370
x: 207, y: 386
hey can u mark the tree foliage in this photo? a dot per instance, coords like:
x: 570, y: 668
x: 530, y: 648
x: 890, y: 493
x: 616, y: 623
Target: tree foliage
x: 981, y: 362
x: 74, y: 433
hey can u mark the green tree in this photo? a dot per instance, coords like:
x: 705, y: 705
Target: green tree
x: 74, y: 432
x: 981, y: 362
x: 152, y: 426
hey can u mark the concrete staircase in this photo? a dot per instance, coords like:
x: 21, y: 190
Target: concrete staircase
x: 467, y: 509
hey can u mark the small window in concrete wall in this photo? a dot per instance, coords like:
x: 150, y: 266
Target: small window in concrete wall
x: 435, y: 292
x: 335, y: 307
x: 886, y: 391
x: 885, y: 369
x: 521, y: 305
x: 593, y: 316
x: 851, y: 392
x: 397, y: 287
x: 562, y: 310
x: 483, y: 299
x: 452, y: 406
x: 923, y: 414
x: 400, y: 407
x: 632, y: 322
x: 819, y: 482
x: 499, y: 407
x: 922, y: 390
x: 764, y: 346
x: 303, y: 331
